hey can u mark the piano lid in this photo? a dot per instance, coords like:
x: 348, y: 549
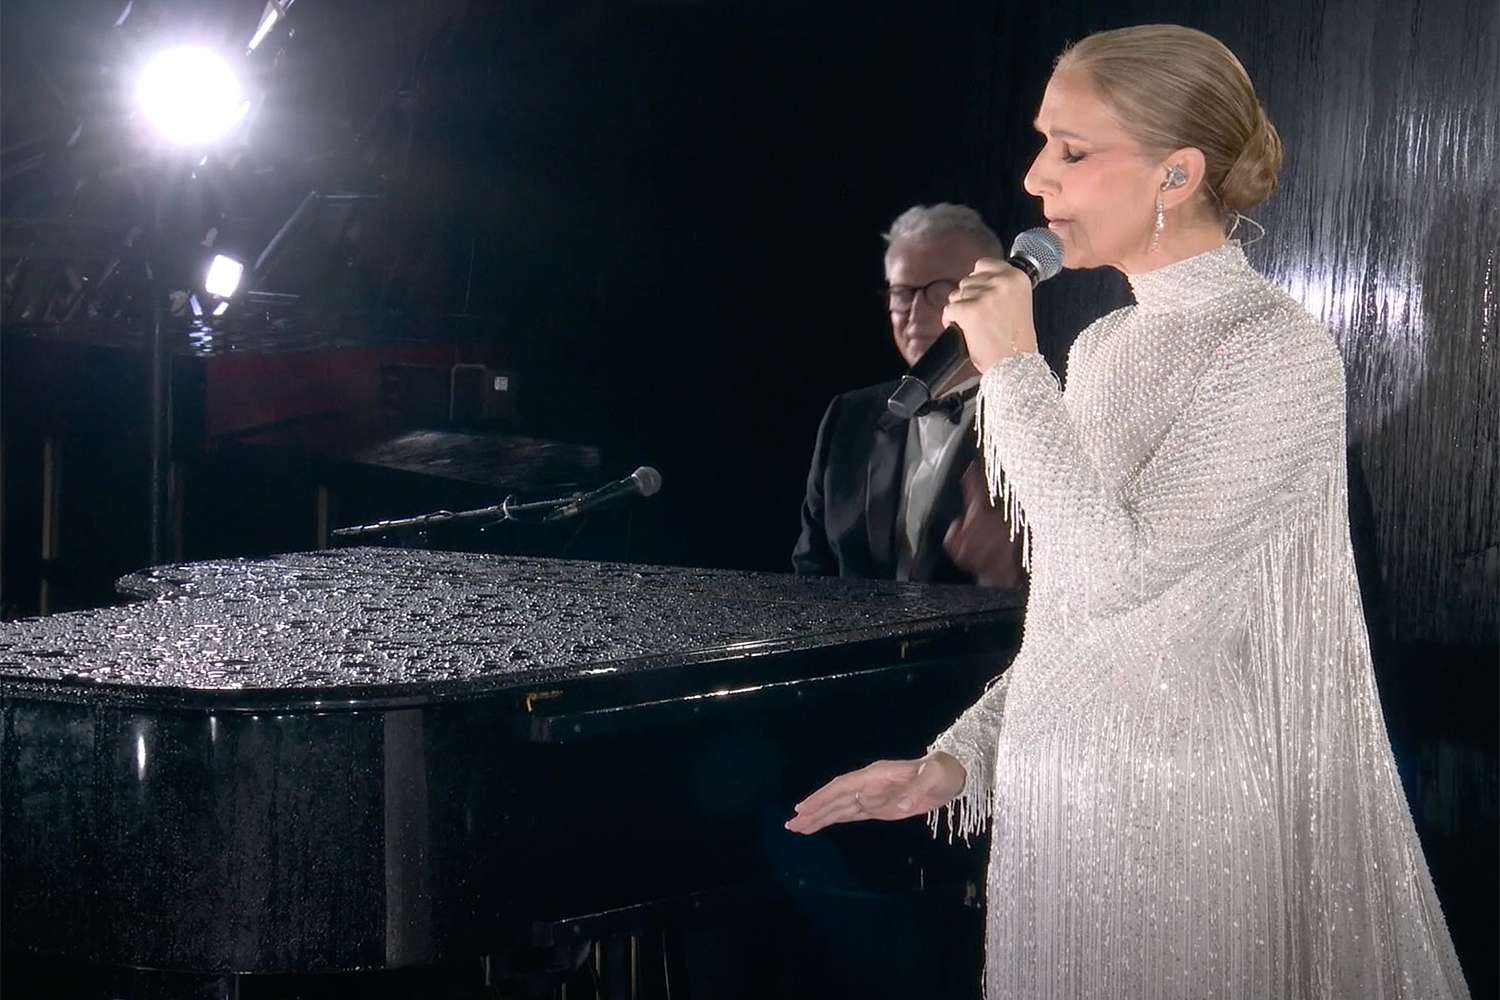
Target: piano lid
x: 369, y: 623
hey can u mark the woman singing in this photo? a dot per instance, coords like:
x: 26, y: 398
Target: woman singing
x: 1185, y: 768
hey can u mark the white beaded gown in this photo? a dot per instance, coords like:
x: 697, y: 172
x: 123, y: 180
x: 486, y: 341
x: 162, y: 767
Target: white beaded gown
x: 1186, y: 770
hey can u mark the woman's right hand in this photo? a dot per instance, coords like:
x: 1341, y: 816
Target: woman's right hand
x: 886, y: 789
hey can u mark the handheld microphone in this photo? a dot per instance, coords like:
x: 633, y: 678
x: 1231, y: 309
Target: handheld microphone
x: 1038, y: 254
x: 643, y: 482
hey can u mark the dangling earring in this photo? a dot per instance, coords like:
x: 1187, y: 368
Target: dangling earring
x: 1176, y: 178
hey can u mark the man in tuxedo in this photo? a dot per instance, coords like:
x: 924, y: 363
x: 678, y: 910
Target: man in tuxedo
x: 905, y: 499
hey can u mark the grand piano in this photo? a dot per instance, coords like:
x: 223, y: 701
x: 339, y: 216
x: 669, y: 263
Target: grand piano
x: 382, y: 772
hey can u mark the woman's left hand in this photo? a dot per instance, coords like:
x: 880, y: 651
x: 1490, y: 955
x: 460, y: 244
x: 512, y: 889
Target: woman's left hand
x: 992, y: 307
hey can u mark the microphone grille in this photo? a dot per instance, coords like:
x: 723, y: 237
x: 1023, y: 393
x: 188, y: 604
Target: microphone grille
x: 647, y: 480
x: 1042, y: 248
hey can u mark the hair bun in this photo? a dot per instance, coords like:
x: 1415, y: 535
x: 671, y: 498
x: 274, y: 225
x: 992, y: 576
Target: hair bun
x: 1251, y: 178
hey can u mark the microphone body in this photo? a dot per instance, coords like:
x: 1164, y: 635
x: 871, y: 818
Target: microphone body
x: 643, y: 482
x: 1038, y: 254
x: 933, y: 369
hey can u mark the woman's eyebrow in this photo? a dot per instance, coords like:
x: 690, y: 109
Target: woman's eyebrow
x: 1061, y: 133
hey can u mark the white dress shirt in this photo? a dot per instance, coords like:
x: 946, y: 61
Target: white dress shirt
x: 931, y: 441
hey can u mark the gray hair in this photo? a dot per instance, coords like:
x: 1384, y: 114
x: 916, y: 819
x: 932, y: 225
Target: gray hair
x: 925, y: 223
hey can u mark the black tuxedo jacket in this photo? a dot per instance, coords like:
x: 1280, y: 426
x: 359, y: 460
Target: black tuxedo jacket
x: 854, y: 487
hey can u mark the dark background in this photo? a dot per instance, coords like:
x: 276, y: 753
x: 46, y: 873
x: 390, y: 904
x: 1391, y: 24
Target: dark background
x: 665, y: 218
x: 666, y: 215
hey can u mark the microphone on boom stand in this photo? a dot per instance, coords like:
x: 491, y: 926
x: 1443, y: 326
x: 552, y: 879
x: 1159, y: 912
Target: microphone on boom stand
x: 643, y: 482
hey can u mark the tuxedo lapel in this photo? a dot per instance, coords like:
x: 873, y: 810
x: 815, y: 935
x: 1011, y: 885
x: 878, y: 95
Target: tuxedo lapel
x: 883, y: 489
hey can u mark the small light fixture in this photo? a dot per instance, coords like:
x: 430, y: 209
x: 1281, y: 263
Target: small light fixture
x: 223, y: 276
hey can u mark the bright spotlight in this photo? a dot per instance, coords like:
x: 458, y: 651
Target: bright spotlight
x: 223, y: 276
x: 190, y: 95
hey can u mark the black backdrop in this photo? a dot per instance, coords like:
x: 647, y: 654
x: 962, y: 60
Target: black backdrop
x: 666, y: 215
x: 672, y: 214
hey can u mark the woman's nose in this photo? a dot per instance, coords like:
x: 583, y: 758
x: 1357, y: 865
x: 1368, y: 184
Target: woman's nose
x: 1037, y: 182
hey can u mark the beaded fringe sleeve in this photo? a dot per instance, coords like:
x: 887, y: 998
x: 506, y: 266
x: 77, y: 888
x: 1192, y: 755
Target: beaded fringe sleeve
x: 1230, y: 545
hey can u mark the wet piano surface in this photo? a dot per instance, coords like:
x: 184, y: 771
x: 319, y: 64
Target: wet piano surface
x: 392, y: 759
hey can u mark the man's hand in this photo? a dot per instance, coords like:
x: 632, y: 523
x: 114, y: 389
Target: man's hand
x: 979, y: 542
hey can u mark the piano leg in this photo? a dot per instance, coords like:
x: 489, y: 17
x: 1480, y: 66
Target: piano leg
x: 51, y: 515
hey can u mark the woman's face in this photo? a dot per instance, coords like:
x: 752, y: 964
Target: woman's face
x: 1097, y: 186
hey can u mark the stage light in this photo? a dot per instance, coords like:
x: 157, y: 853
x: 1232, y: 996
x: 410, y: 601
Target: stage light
x: 223, y: 276
x: 190, y: 95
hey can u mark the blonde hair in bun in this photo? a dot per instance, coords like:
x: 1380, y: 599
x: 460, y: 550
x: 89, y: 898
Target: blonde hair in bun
x: 1173, y: 87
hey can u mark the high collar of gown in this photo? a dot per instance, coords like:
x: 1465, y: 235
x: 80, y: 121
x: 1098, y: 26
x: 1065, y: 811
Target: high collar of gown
x: 1195, y: 281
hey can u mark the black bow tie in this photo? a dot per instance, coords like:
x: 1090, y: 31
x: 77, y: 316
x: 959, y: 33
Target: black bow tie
x: 950, y: 406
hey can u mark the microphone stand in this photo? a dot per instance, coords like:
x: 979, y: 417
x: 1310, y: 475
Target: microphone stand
x: 506, y: 510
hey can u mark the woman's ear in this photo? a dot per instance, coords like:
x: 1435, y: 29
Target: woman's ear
x: 1182, y: 176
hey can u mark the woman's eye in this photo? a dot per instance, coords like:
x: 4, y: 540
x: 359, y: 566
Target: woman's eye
x: 1071, y: 157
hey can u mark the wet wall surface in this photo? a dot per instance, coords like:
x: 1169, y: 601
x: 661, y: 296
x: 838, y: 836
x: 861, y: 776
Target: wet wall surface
x: 1386, y: 226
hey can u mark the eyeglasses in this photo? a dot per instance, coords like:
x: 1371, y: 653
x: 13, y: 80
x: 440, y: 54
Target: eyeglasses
x: 899, y: 298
